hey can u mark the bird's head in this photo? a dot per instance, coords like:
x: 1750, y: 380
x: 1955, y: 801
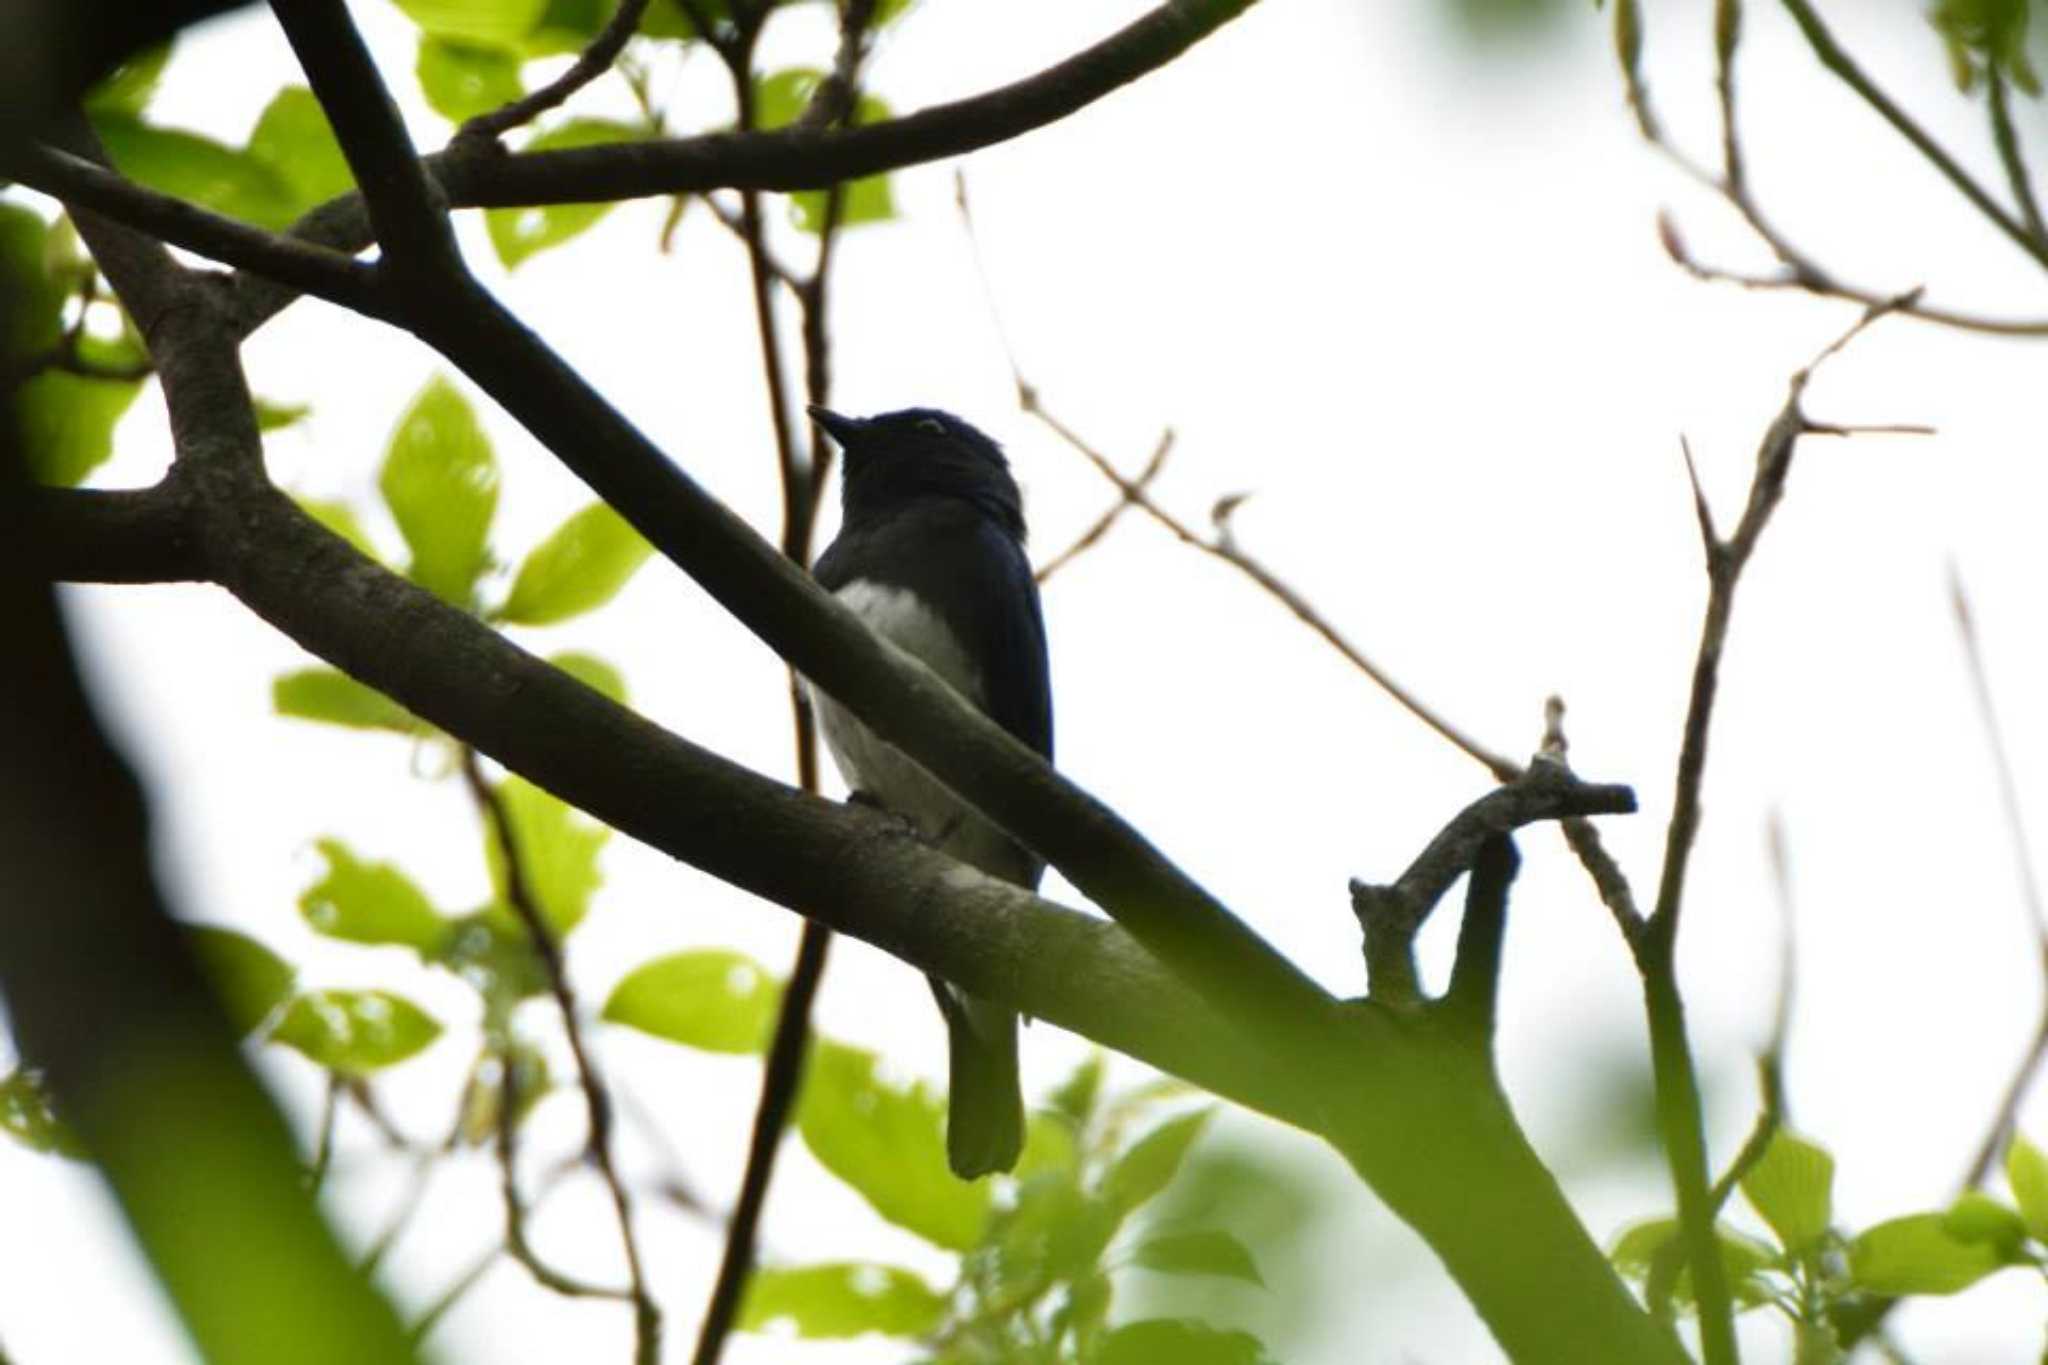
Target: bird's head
x: 899, y: 457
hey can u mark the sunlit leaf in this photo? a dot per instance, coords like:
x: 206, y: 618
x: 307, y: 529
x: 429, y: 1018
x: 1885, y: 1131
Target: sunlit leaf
x: 498, y: 22
x: 779, y: 100
x: 250, y: 980
x: 33, y: 322
x: 577, y: 569
x: 1918, y: 1255
x: 127, y: 90
x: 191, y: 166
x: 1076, y: 1095
x: 67, y: 423
x: 334, y: 698
x: 27, y: 1116
x: 1180, y: 1340
x: 1049, y: 1146
x: 1977, y: 1217
x: 841, y: 1299
x: 496, y: 960
x: 1210, y: 1252
x: 2026, y: 1170
x: 440, y: 480
x: 294, y: 139
x: 1744, y: 1260
x: 355, y: 1032
x: 271, y: 416
x: 365, y: 902
x: 888, y: 1142
x: 1792, y: 1186
x: 483, y: 1098
x: 1150, y: 1162
x: 558, y: 851
x: 593, y: 672
x: 707, y: 998
x: 517, y: 234
x: 463, y: 79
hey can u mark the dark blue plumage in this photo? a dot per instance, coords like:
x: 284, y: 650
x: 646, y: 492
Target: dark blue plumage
x: 931, y: 556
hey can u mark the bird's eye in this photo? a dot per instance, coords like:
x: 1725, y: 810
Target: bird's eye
x: 932, y: 425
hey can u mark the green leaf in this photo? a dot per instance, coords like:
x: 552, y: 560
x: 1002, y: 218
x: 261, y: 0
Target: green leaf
x: 558, y: 850
x: 593, y: 672
x: 340, y: 518
x: 517, y: 234
x: 1049, y: 1146
x: 334, y: 698
x: 1199, y: 1253
x: 27, y: 1116
x: 272, y: 416
x: 1076, y: 1095
x: 250, y: 980
x: 499, y: 22
x: 483, y: 1098
x: 462, y: 79
x: 1745, y: 1260
x: 568, y: 26
x: 33, y: 322
x: 1054, y: 1233
x: 127, y: 89
x: 888, y: 1143
x: 1792, y: 1187
x: 842, y: 1299
x: 355, y: 1032
x: 711, y: 999
x: 2026, y: 1170
x: 370, y: 903
x: 1918, y: 1255
x: 496, y: 960
x: 197, y: 168
x: 577, y: 569
x: 1977, y: 1217
x: 1151, y: 1161
x: 293, y: 138
x: 441, y: 482
x: 779, y: 100
x: 67, y: 423
x: 1180, y: 1340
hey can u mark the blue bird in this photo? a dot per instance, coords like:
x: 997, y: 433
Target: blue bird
x: 931, y: 556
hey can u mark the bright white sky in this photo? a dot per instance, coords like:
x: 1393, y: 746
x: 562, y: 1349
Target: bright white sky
x: 1413, y: 298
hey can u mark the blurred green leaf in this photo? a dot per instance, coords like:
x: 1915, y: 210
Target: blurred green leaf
x: 499, y: 22
x: 593, y: 672
x: 2026, y: 1170
x: 334, y: 698
x: 355, y: 1032
x: 293, y: 138
x: 1049, y: 1146
x: 1180, y: 1340
x: 1076, y: 1095
x: 517, y: 234
x: 779, y: 100
x: 1744, y: 1258
x: 708, y: 998
x: 888, y: 1143
x: 441, y: 482
x: 27, y: 1116
x: 1206, y: 1252
x: 558, y: 851
x: 127, y: 89
x: 1977, y: 1217
x: 496, y: 960
x: 340, y: 518
x: 34, y: 322
x: 483, y: 1098
x: 577, y: 569
x: 272, y: 416
x: 1053, y: 1233
x: 1792, y: 1187
x: 463, y: 79
x: 1983, y: 36
x: 1144, y: 1169
x: 189, y: 166
x: 67, y: 423
x: 370, y: 903
x: 1918, y: 1255
x: 250, y: 980
x: 841, y: 1299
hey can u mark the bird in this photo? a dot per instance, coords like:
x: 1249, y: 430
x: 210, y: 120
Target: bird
x: 930, y: 555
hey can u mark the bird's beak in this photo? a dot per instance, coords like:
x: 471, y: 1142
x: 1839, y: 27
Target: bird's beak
x: 843, y: 429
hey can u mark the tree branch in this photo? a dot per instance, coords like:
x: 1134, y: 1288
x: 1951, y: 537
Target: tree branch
x: 593, y: 62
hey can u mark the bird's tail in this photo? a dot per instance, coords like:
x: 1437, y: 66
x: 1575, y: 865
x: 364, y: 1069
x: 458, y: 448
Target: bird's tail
x: 985, y: 1112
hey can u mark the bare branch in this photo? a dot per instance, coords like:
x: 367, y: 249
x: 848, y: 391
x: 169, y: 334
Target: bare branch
x: 1099, y: 528
x: 590, y: 64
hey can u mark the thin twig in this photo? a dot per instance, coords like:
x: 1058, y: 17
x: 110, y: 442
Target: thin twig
x: 592, y: 63
x: 597, y: 1103
x: 2011, y: 155
x: 1101, y: 525
x: 2029, y: 884
x: 323, y: 1152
